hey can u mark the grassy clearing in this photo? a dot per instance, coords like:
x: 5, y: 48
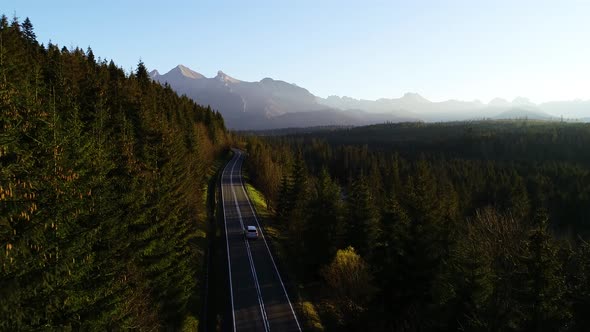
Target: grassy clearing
x: 306, y: 310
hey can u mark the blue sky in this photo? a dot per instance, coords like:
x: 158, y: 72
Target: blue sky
x: 365, y: 49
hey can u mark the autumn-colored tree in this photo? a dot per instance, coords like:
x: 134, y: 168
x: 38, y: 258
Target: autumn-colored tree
x: 350, y: 282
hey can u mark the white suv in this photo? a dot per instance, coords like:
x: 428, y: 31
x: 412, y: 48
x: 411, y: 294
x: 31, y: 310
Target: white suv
x: 251, y: 232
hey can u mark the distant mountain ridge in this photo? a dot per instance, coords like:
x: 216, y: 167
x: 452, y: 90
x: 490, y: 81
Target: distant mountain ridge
x: 265, y: 98
x: 519, y: 113
x: 265, y: 104
x: 270, y: 103
x: 412, y: 104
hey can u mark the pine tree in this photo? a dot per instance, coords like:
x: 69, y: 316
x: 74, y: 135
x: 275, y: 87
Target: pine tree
x: 544, y: 291
x: 362, y: 227
x: 99, y: 192
x: 284, y: 199
x: 579, y: 290
x: 388, y: 259
x: 324, y: 227
x: 28, y: 32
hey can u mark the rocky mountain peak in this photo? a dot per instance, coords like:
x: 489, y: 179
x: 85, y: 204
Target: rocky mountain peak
x: 414, y: 97
x: 223, y: 77
x: 186, y: 72
x: 154, y: 73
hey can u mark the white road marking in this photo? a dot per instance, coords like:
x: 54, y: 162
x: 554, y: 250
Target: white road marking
x: 231, y: 289
x: 252, y: 267
x: 268, y: 249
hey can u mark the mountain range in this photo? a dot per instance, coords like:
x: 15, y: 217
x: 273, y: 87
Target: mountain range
x: 270, y: 104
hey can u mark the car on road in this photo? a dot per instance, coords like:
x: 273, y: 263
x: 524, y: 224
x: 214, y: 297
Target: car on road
x: 251, y: 232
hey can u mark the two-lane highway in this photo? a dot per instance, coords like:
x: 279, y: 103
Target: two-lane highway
x: 258, y: 297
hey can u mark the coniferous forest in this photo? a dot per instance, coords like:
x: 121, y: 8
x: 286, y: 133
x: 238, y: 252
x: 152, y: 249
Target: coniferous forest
x: 462, y: 226
x: 467, y: 226
x: 102, y: 175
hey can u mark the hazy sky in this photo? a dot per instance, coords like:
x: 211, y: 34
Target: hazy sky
x: 364, y: 49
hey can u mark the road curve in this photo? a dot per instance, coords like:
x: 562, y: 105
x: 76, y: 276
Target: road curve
x: 258, y: 297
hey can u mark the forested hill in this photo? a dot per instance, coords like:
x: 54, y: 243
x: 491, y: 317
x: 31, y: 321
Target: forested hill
x: 101, y: 191
x: 531, y: 140
x: 447, y: 227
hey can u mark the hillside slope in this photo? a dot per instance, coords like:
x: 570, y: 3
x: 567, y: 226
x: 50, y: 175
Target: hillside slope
x: 100, y: 192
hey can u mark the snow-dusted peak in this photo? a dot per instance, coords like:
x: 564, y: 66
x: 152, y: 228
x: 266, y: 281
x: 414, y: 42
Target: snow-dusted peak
x: 223, y: 77
x: 154, y: 73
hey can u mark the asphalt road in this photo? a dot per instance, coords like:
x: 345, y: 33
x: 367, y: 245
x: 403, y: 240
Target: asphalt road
x: 258, y: 297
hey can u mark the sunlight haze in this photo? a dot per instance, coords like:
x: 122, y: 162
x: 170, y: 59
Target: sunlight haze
x: 442, y: 50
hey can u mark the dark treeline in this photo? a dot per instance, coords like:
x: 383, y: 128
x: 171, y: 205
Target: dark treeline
x: 101, y: 191
x: 412, y: 227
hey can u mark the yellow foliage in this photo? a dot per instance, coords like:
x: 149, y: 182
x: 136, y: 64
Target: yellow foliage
x: 190, y: 323
x: 349, y: 277
x: 312, y: 317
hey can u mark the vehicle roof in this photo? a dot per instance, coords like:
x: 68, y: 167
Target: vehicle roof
x: 251, y: 228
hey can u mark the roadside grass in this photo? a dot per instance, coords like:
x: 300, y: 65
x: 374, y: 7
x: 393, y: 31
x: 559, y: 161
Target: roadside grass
x: 306, y: 311
x: 258, y: 201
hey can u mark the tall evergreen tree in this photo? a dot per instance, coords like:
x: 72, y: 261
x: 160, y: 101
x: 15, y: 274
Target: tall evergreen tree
x: 97, y: 187
x: 324, y: 227
x: 363, y: 227
x: 544, y: 291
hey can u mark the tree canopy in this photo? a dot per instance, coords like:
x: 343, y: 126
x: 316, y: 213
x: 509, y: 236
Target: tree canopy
x: 101, y: 179
x: 477, y: 226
